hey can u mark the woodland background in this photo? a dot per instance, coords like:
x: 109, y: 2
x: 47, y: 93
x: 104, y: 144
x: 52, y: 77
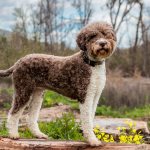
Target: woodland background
x: 46, y: 27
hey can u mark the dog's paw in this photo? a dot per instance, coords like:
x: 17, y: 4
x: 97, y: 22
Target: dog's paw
x: 41, y: 136
x: 14, y: 136
x: 94, y: 142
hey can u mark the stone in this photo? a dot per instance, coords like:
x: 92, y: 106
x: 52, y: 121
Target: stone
x: 34, y: 144
x: 110, y: 125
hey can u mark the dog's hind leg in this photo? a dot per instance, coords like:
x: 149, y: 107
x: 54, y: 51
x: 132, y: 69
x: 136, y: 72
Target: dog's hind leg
x: 34, y: 109
x: 19, y: 104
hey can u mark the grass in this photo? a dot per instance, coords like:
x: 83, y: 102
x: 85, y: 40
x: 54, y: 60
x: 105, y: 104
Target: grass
x: 124, y: 112
x: 65, y: 128
x: 52, y: 98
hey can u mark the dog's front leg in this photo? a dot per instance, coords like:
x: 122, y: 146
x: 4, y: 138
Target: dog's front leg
x: 87, y: 121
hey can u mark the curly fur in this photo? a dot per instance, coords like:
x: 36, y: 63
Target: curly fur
x: 71, y: 76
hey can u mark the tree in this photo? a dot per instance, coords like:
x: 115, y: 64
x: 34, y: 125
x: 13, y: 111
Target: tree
x: 21, y: 22
x: 84, y: 10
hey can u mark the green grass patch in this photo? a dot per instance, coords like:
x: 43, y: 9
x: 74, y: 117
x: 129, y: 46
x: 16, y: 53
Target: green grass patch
x: 123, y: 112
x: 65, y: 128
x: 52, y: 98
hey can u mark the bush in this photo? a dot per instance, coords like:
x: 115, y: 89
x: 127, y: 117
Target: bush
x: 126, y: 92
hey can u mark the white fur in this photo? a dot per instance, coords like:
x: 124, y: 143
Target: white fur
x: 101, y: 79
x: 34, y: 110
x: 13, y: 122
x: 88, y: 108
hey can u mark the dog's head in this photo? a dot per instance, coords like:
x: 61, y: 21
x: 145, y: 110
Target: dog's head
x: 98, y: 40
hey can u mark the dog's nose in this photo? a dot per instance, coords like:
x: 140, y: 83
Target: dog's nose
x: 102, y: 43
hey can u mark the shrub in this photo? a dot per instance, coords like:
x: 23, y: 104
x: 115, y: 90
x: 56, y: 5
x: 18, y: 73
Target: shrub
x: 126, y: 92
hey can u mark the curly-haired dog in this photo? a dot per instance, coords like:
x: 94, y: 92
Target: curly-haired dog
x: 80, y: 76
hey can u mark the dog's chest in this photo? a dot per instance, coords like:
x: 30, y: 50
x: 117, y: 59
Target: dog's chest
x: 98, y: 78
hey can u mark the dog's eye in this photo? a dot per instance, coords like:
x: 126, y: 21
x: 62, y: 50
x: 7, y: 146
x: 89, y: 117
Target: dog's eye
x: 91, y: 36
x: 110, y: 35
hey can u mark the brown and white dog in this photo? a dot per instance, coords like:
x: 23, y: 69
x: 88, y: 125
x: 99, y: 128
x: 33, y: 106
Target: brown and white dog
x: 80, y: 76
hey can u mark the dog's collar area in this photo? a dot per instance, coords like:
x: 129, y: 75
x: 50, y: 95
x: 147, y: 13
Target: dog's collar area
x: 91, y: 62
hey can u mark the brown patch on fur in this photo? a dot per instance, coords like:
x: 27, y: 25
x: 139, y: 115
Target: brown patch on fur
x: 69, y: 76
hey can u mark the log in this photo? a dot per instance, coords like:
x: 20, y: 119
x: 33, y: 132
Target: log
x: 36, y: 144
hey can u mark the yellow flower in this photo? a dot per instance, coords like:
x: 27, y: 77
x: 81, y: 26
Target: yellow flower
x: 123, y: 138
x: 123, y: 128
x: 118, y: 128
x: 106, y: 136
x: 137, y: 142
x: 130, y: 138
x: 106, y: 140
x: 134, y: 124
x: 140, y: 137
x: 130, y: 124
x: 111, y: 138
x: 99, y: 136
x: 134, y: 130
x: 136, y: 138
x: 97, y: 126
x: 96, y: 130
x: 102, y: 133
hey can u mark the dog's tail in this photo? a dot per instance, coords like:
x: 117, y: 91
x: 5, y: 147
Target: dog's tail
x: 5, y: 73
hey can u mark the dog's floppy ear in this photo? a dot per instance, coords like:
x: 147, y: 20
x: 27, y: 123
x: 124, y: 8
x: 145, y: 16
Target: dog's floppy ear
x: 81, y: 41
x: 84, y: 36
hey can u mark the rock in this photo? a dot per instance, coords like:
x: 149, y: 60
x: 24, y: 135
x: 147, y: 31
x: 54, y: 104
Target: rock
x: 24, y: 144
x: 49, y: 114
x: 110, y: 124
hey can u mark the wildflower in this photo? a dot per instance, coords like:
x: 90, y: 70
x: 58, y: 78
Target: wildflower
x: 102, y: 133
x: 130, y: 137
x: 133, y: 130
x: 99, y: 136
x: 130, y: 124
x: 96, y: 130
x: 111, y: 138
x: 123, y: 138
x: 97, y: 126
x: 118, y: 128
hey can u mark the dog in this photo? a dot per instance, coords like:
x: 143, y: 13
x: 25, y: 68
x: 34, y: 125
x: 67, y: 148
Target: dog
x: 80, y: 76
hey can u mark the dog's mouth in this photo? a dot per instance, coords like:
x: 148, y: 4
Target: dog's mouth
x: 102, y: 51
